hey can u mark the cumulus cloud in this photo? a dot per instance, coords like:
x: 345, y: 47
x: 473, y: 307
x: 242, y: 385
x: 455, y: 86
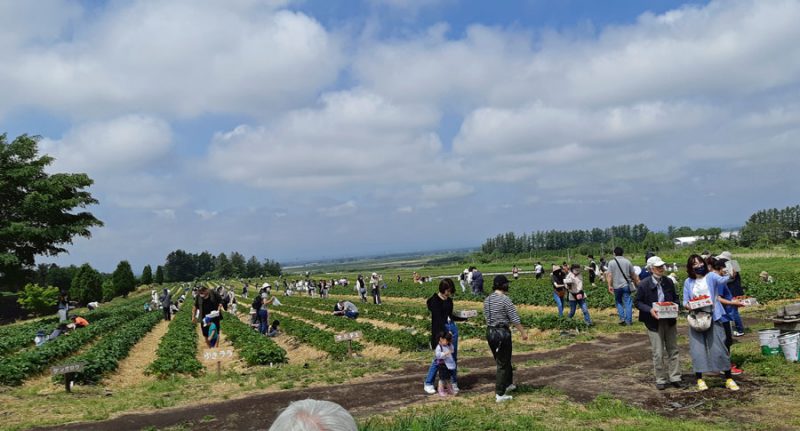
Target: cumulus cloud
x: 206, y: 214
x: 445, y: 191
x: 126, y: 143
x: 178, y: 58
x: 352, y: 137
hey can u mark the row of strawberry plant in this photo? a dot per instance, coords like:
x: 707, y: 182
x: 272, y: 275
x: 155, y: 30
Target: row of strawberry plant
x: 17, y: 368
x: 104, y: 356
x: 318, y: 338
x: 404, y: 340
x: 18, y: 336
x: 252, y: 346
x: 177, y: 350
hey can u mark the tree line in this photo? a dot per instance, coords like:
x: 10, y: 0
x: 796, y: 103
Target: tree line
x: 771, y: 226
x: 183, y: 266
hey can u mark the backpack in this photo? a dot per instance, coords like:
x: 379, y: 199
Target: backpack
x: 257, y: 302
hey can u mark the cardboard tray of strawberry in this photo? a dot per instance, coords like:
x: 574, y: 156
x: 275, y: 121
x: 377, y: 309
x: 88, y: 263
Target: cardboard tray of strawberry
x: 666, y: 310
x: 700, y: 302
x: 748, y: 301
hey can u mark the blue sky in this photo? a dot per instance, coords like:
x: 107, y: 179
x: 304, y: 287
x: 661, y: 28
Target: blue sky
x: 313, y: 129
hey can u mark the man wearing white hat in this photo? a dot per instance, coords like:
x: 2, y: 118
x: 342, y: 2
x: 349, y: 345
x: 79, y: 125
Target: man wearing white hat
x: 663, y: 333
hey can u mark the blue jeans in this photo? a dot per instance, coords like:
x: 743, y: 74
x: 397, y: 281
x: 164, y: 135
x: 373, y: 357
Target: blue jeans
x: 435, y: 365
x: 351, y: 314
x: 737, y: 319
x: 622, y: 297
x: 584, y: 309
x: 263, y: 321
x: 559, y: 304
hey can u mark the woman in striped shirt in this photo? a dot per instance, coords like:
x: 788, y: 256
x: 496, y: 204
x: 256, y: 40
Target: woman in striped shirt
x: 500, y: 313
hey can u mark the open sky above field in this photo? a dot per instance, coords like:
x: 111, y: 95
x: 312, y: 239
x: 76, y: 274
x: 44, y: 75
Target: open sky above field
x: 313, y: 129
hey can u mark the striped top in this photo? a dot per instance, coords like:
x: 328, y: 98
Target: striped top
x: 499, y: 310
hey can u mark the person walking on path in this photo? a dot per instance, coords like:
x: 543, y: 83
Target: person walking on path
x: 577, y: 296
x: 477, y: 281
x: 622, y: 281
x: 166, y: 304
x: 375, y: 287
x: 205, y: 302
x: 559, y: 289
x: 663, y: 333
x: 706, y: 339
x: 443, y: 320
x: 538, y: 270
x: 500, y: 312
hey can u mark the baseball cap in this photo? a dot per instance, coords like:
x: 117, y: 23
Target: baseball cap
x: 655, y: 261
x: 500, y: 280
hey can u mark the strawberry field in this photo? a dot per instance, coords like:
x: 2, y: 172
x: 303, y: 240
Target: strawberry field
x: 160, y: 364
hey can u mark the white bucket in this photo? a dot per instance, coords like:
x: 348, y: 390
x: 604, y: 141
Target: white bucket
x: 768, y: 339
x: 788, y: 344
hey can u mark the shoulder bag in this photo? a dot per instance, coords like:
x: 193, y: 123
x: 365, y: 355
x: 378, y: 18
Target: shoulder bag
x: 631, y: 286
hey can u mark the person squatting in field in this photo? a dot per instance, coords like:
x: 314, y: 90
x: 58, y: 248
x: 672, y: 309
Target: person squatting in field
x: 440, y: 305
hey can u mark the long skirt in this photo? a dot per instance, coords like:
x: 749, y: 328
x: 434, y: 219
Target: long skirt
x: 708, y: 350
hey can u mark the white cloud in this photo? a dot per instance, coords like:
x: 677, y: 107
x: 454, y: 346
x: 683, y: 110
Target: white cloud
x: 165, y: 214
x: 206, y: 214
x: 445, y: 191
x: 126, y: 143
x: 352, y: 137
x: 405, y: 209
x: 340, y: 210
x: 176, y: 58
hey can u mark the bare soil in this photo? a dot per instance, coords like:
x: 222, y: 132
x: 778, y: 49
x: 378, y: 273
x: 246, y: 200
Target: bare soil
x: 619, y: 366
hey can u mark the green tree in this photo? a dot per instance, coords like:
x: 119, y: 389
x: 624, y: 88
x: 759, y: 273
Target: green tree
x: 60, y: 277
x: 87, y: 285
x: 237, y: 264
x: 159, y: 275
x: 147, y: 275
x: 37, y: 209
x: 109, y: 292
x: 252, y: 267
x: 123, y: 278
x: 223, y: 266
x: 38, y: 300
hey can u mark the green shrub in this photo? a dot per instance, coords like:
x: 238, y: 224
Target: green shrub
x: 38, y: 300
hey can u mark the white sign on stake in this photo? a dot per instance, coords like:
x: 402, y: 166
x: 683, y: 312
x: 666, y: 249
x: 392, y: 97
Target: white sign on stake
x: 217, y: 354
x: 347, y: 336
x: 69, y: 368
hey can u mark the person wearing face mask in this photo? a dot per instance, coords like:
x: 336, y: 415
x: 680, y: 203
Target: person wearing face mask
x: 707, y: 342
x: 577, y: 297
x: 205, y: 303
x: 663, y: 333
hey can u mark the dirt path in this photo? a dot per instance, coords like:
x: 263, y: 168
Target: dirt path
x: 131, y: 369
x: 618, y: 366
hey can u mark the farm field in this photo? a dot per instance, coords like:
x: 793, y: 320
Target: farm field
x: 145, y: 373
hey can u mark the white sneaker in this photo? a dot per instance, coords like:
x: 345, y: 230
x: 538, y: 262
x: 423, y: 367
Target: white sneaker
x: 429, y: 389
x: 455, y: 388
x: 501, y: 398
x: 511, y: 388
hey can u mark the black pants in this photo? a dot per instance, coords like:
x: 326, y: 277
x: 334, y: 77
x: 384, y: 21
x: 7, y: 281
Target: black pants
x: 500, y: 343
x: 376, y: 295
x: 728, y: 336
x: 167, y: 313
x: 444, y: 373
x: 538, y: 275
x: 591, y: 277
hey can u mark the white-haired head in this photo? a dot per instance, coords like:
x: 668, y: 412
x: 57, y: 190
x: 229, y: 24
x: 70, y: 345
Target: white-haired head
x: 314, y: 415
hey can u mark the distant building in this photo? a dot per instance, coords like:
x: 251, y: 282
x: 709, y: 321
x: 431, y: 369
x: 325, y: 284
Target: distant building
x: 685, y: 240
